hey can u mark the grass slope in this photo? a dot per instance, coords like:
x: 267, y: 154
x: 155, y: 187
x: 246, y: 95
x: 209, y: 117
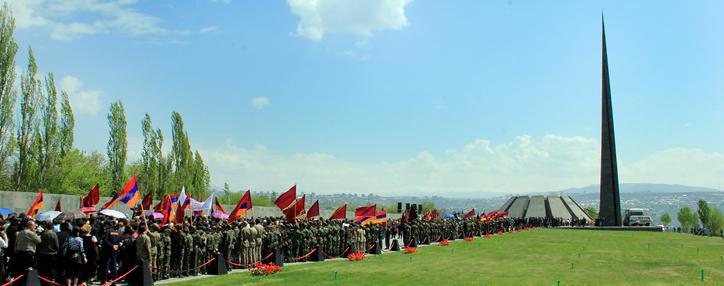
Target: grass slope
x: 537, y: 257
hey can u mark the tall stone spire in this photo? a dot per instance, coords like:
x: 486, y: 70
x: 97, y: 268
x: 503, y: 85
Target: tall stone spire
x: 610, y: 204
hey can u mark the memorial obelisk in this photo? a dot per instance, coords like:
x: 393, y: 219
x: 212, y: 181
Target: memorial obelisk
x: 609, y: 213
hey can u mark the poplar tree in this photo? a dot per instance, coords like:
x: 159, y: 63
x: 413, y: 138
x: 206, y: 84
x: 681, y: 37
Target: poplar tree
x: 149, y: 162
x: 29, y: 87
x: 8, y: 96
x: 181, y: 152
x: 117, y: 146
x: 67, y: 123
x: 48, y: 140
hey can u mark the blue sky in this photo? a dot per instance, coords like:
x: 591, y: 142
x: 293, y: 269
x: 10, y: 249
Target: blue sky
x: 398, y: 96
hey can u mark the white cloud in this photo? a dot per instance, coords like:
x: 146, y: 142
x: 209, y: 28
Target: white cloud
x: 524, y: 165
x: 361, y: 17
x: 83, y: 101
x: 208, y: 29
x: 260, y: 102
x: 71, y: 19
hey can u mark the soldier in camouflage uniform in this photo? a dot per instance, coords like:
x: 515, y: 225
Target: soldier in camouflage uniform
x: 252, y: 242
x: 188, y: 252
x: 155, y: 241
x: 259, y: 240
x: 246, y: 245
x: 177, y: 250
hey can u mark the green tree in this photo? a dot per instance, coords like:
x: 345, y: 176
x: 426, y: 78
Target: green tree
x: 715, y: 222
x: 686, y: 218
x: 227, y: 189
x: 703, y: 212
x: 201, y: 178
x: 149, y: 175
x: 161, y: 172
x: 665, y: 219
x: 591, y: 212
x: 29, y: 86
x: 67, y: 124
x: 428, y: 206
x: 8, y: 96
x: 181, y: 152
x: 48, y: 151
x: 79, y: 172
x: 117, y: 146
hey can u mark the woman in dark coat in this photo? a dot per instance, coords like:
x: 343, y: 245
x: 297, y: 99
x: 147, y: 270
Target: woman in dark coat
x: 90, y: 247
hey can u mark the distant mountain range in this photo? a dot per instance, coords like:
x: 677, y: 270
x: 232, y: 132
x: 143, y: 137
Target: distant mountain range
x: 640, y: 188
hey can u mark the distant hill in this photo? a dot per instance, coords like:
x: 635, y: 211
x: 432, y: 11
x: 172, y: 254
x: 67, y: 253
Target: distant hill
x: 639, y: 188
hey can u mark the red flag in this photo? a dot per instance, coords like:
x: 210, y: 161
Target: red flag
x: 470, y: 214
x: 299, y: 207
x: 159, y: 206
x: 295, y: 211
x: 241, y: 207
x: 57, y: 206
x: 147, y: 201
x: 340, y: 212
x: 313, y: 210
x: 427, y: 216
x: 365, y: 211
x: 36, y: 206
x: 181, y: 210
x: 286, y: 199
x: 166, y: 209
x: 93, y: 197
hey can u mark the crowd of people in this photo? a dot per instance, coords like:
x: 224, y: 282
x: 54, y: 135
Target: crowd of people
x: 101, y: 248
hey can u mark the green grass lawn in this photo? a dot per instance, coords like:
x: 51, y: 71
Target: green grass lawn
x: 537, y: 257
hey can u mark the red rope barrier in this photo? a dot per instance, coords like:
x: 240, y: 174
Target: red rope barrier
x: 270, y: 254
x: 373, y: 246
x: 303, y: 256
x: 185, y: 270
x: 121, y: 277
x: 335, y: 257
x: 234, y: 264
x: 48, y: 280
x: 13, y: 281
x: 410, y: 243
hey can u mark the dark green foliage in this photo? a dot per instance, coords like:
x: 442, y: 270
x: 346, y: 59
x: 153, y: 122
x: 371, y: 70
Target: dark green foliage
x: 117, y: 146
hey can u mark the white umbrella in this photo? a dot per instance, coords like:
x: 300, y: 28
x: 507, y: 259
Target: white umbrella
x: 47, y: 216
x: 113, y: 213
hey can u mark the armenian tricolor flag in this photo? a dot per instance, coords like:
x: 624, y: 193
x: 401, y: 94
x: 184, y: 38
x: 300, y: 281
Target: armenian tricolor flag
x: 242, y: 207
x: 380, y: 217
x: 217, y: 206
x: 130, y: 194
x: 111, y: 203
x: 37, y: 205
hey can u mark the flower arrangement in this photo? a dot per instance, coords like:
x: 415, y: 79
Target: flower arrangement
x: 356, y: 256
x: 409, y: 250
x: 444, y: 243
x: 500, y: 232
x: 469, y: 238
x: 261, y: 269
x: 487, y: 236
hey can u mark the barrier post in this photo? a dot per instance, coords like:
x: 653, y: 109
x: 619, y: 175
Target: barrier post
x: 31, y: 278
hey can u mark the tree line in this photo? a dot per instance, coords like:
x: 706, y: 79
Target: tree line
x: 706, y: 217
x: 36, y: 139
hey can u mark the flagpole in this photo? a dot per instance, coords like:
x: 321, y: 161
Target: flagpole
x: 145, y: 222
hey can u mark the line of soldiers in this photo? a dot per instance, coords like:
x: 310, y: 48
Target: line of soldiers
x: 183, y: 249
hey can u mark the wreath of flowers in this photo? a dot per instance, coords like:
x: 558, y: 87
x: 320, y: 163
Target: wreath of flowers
x: 356, y: 256
x: 260, y: 269
x: 487, y: 236
x: 469, y: 238
x: 409, y: 250
x: 444, y: 243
